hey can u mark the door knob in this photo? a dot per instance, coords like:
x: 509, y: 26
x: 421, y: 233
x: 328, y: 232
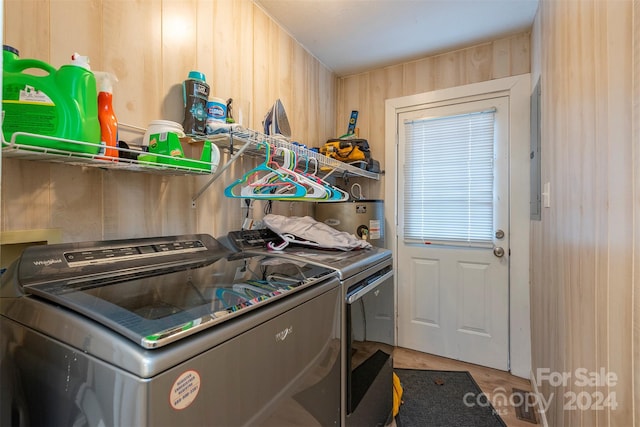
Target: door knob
x: 498, y: 251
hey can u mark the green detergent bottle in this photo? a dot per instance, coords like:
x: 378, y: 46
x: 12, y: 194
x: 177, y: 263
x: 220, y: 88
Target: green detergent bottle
x: 61, y: 103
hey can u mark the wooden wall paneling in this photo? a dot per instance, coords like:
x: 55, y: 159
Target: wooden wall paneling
x: 384, y: 84
x: 636, y: 197
x: 183, y: 24
x: 219, y: 42
x: 501, y: 58
x: 535, y: 250
x: 520, y: 48
x: 618, y: 21
x: 76, y: 202
x: 233, y: 76
x: 579, y: 193
x: 449, y: 69
x: 132, y: 40
x: 244, y: 89
x: 75, y: 26
x: 180, y: 53
x: 26, y: 27
x: 601, y: 173
x: 418, y: 77
x: 371, y: 121
x: 353, y: 96
x: 227, y: 31
x: 303, y: 89
x: 210, y: 46
x: 560, y: 201
x: 581, y: 259
x: 329, y: 102
x: 547, y: 325
x: 317, y: 100
x: 276, y: 82
x: 151, y: 46
x: 173, y: 198
x: 365, y: 104
x: 367, y: 91
x: 511, y: 55
x: 131, y: 206
x: 478, y: 62
x: 285, y: 65
x: 356, y: 95
x: 341, y: 84
x: 133, y: 51
x: 262, y: 65
x: 25, y: 184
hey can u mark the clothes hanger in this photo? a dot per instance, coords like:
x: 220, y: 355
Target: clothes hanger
x: 264, y: 168
x: 335, y: 194
x: 271, y: 183
x: 315, y: 190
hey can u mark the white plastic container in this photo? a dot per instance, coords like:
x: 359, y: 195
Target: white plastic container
x: 160, y: 126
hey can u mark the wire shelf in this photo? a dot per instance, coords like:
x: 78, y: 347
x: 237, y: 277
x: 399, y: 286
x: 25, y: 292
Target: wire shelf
x: 328, y: 164
x: 77, y: 155
x: 236, y: 140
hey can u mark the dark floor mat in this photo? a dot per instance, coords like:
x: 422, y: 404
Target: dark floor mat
x: 442, y: 399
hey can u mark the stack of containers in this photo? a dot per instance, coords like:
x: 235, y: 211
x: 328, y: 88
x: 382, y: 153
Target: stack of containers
x: 202, y: 115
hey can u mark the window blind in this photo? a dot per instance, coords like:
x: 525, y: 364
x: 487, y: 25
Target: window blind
x: 448, y: 179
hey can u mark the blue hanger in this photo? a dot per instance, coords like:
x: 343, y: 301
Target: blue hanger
x: 279, y: 179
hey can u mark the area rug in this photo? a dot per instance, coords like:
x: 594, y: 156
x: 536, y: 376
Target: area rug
x: 443, y: 398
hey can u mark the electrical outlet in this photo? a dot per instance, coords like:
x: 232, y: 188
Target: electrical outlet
x: 239, y: 273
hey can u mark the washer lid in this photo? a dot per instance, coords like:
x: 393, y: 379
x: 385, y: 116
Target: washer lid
x: 161, y: 300
x: 346, y: 263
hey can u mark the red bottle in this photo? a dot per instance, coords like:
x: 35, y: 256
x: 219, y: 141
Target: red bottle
x: 106, y: 116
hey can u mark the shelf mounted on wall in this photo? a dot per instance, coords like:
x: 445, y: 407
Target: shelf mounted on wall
x: 250, y: 141
x: 237, y: 142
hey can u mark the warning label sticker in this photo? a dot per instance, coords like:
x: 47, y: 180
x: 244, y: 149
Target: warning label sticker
x: 375, y: 230
x: 185, y: 390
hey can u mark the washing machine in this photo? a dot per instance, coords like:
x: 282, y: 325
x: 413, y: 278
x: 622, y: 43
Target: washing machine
x: 168, y: 331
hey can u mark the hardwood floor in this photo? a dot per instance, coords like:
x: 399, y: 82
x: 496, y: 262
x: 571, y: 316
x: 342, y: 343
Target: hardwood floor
x: 491, y: 381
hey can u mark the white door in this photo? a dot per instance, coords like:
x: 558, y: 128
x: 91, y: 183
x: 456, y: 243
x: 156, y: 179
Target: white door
x: 453, y: 231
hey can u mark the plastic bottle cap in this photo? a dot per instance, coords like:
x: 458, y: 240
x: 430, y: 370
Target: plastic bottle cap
x: 10, y: 49
x: 80, y: 61
x: 197, y: 75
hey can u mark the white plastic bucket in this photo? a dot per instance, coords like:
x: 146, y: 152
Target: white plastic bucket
x: 160, y: 126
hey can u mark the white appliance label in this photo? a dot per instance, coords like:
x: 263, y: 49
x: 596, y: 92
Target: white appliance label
x: 374, y: 229
x: 185, y: 390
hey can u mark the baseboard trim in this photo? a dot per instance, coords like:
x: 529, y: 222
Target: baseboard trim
x: 541, y: 411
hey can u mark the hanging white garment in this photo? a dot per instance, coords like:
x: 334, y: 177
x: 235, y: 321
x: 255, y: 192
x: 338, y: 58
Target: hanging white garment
x: 307, y: 231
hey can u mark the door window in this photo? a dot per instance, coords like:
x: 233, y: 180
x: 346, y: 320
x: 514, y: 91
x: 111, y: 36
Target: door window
x: 449, y: 179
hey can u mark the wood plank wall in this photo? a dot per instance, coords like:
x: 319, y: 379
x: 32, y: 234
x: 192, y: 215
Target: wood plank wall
x: 584, y: 267
x: 151, y: 46
x: 367, y: 92
x: 636, y: 218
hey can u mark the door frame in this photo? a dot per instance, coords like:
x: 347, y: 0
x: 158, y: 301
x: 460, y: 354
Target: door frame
x: 518, y: 89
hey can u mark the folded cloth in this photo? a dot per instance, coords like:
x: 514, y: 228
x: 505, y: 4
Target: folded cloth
x: 215, y: 127
x: 307, y: 231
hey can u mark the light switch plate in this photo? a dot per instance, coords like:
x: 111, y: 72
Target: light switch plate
x: 546, y: 195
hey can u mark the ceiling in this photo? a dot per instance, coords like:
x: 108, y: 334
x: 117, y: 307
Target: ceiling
x: 352, y: 36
